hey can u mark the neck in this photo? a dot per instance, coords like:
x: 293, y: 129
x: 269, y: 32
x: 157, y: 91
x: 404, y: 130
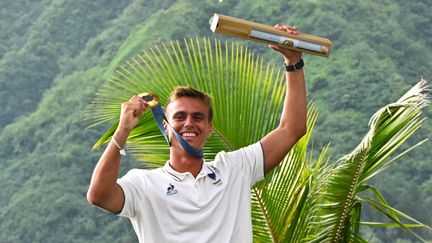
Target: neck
x: 183, y: 162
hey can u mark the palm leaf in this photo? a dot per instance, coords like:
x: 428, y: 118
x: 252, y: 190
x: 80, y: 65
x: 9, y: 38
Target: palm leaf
x: 390, y: 127
x: 246, y: 94
x: 282, y: 191
x: 282, y: 201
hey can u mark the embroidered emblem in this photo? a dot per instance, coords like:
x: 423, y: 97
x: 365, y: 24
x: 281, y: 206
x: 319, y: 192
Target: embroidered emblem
x: 212, y: 176
x: 171, y: 191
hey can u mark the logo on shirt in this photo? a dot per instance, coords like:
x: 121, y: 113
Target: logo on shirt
x: 216, y: 182
x: 171, y: 190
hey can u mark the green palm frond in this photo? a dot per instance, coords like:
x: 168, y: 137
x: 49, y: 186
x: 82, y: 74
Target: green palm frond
x: 390, y: 127
x: 282, y: 198
x: 247, y: 95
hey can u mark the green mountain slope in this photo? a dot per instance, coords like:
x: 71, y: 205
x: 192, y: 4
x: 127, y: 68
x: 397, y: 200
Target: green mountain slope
x: 55, y: 54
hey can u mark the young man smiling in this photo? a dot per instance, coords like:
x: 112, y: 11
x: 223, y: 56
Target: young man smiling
x: 189, y: 199
x: 190, y: 114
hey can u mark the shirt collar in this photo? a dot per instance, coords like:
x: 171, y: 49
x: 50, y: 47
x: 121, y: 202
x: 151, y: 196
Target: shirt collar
x: 205, y: 170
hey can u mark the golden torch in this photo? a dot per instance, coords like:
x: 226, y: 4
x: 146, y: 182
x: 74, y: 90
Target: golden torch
x: 248, y: 30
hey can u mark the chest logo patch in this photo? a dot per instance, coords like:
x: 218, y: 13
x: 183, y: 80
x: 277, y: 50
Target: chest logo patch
x: 216, y: 181
x: 171, y: 190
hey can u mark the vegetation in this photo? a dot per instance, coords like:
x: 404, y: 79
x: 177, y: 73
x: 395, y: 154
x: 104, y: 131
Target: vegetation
x: 55, y: 55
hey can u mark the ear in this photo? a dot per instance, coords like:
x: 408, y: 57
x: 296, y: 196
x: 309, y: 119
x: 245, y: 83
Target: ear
x: 165, y: 125
x: 210, y: 128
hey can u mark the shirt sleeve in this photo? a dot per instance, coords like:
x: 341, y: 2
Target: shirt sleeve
x: 250, y: 161
x: 132, y: 185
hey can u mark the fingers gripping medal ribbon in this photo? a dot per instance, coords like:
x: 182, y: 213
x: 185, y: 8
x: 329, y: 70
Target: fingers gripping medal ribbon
x: 159, y: 115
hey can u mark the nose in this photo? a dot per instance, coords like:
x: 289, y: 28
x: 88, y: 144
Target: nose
x: 188, y: 121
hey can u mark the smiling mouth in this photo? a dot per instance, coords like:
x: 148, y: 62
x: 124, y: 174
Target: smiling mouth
x: 189, y: 135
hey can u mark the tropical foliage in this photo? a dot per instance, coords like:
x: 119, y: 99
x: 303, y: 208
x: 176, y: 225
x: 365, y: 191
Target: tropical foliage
x: 303, y: 199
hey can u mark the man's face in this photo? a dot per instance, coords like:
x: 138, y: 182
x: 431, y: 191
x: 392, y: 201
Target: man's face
x: 189, y: 117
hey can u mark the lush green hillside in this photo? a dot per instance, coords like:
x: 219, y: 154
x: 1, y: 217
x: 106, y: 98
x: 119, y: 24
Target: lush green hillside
x: 55, y: 54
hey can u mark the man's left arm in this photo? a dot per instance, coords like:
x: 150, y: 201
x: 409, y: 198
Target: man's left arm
x: 292, y: 125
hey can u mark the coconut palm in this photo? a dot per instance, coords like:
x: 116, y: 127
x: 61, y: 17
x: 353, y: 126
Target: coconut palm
x: 303, y: 199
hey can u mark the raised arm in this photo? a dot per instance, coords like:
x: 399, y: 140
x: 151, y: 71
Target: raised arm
x: 292, y: 125
x: 104, y: 191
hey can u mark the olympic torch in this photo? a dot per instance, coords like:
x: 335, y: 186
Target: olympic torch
x: 249, y: 30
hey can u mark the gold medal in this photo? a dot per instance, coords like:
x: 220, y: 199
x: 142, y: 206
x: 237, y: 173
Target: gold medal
x: 151, y: 98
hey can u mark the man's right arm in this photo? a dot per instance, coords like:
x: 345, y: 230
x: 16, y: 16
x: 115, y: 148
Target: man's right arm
x: 104, y: 191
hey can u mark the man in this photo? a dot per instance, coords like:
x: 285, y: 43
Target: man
x: 189, y: 199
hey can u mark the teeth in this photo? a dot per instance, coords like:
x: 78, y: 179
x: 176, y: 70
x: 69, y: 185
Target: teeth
x: 189, y: 134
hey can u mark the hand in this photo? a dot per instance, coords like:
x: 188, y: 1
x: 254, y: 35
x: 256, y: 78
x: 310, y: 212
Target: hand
x: 130, y: 113
x: 290, y: 56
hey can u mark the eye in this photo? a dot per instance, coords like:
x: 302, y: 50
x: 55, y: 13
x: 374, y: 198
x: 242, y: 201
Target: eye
x: 199, y: 117
x: 179, y: 116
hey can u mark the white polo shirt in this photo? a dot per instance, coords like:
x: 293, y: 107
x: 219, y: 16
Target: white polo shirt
x: 166, y: 206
